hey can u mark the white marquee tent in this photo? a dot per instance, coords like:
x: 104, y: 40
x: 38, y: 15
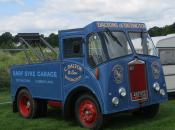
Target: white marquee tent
x: 166, y: 50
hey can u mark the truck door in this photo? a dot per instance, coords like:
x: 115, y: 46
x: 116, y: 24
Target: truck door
x: 72, y: 60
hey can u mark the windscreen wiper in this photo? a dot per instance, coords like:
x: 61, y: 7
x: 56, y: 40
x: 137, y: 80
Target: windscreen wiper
x: 113, y: 36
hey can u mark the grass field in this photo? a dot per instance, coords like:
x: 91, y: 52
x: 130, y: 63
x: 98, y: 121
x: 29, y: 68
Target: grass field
x: 165, y: 120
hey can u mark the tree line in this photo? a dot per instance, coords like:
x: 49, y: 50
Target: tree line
x: 8, y: 41
x: 162, y: 31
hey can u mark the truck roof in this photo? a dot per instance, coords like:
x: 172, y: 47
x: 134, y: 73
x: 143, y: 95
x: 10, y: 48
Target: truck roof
x: 102, y: 25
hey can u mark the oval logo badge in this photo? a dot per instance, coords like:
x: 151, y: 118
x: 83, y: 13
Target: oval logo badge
x: 73, y: 72
x: 118, y: 73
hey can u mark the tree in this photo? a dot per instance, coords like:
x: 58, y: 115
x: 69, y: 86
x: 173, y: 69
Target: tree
x: 52, y: 39
x: 6, y: 40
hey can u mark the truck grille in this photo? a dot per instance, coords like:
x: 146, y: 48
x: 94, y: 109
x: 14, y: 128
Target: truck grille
x: 138, y: 80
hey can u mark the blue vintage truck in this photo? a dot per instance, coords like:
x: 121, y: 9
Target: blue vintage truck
x: 102, y: 69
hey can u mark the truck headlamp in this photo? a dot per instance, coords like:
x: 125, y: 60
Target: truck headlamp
x: 155, y: 70
x: 162, y: 92
x: 122, y: 92
x: 115, y: 101
x: 156, y: 86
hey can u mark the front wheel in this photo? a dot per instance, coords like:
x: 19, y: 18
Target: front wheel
x: 148, y: 111
x: 87, y: 112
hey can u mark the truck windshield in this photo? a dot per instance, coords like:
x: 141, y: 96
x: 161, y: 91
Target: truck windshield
x: 107, y: 45
x: 143, y: 43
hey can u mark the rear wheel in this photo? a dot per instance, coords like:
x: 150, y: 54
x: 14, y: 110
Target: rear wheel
x: 27, y: 106
x: 88, y: 112
x: 149, y: 111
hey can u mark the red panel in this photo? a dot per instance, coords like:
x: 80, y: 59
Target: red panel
x: 54, y: 104
x: 138, y: 81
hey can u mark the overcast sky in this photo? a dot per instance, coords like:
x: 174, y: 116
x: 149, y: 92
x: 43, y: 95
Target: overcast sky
x: 46, y: 16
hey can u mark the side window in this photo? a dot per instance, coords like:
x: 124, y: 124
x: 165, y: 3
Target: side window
x: 73, y: 47
x: 96, y: 52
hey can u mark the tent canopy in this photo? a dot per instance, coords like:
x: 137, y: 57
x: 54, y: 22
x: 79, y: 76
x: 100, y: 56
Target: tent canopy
x: 166, y: 43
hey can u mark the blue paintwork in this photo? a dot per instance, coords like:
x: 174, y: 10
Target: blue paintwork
x: 64, y: 75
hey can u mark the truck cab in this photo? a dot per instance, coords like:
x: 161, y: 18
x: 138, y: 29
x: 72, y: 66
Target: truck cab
x: 102, y: 69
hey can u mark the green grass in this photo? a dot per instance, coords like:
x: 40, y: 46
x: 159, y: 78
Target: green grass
x: 165, y: 120
x: 54, y: 121
x: 4, y: 95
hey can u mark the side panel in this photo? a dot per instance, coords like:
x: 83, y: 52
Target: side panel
x: 42, y: 80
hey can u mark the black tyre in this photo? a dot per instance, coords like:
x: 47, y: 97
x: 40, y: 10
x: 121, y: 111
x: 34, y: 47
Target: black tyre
x: 149, y: 111
x: 27, y: 106
x: 87, y: 112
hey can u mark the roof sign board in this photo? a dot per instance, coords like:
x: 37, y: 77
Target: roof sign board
x: 120, y: 25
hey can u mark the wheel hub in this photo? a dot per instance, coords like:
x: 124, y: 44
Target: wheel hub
x: 28, y: 104
x: 88, y: 112
x: 25, y: 106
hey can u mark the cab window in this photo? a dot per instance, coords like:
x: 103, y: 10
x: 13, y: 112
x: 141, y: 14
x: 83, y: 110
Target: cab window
x: 73, y: 47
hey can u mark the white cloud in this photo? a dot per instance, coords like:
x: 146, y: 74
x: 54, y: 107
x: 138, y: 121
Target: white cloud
x: 51, y: 15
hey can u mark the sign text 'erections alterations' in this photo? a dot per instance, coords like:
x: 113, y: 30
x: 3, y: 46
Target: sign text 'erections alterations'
x: 121, y: 25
